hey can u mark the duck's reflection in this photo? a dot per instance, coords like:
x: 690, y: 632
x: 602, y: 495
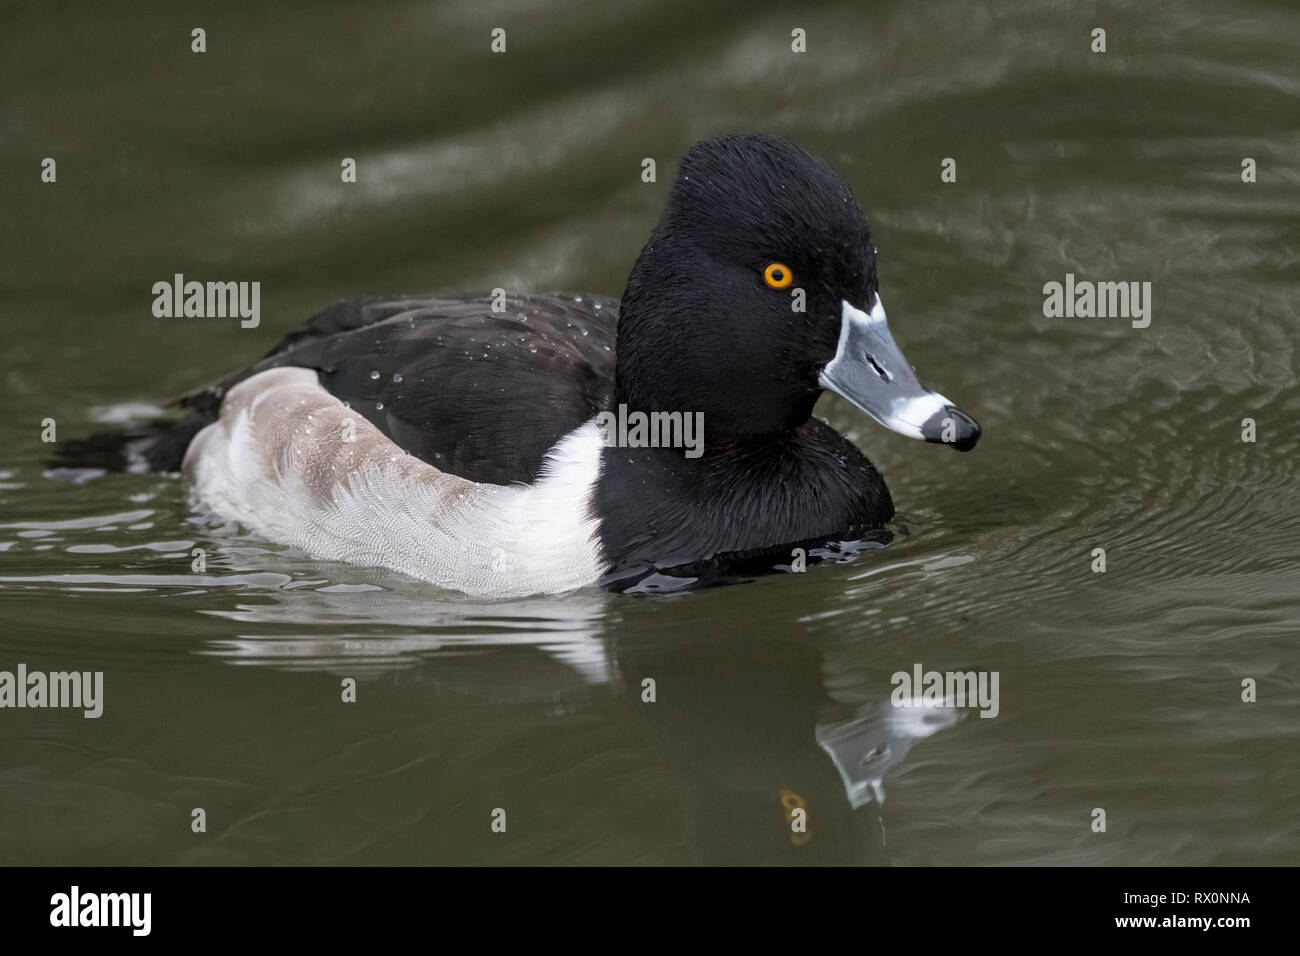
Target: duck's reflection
x: 374, y: 630
x: 774, y: 768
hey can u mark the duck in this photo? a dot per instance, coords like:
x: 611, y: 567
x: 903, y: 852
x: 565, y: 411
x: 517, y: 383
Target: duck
x: 464, y: 439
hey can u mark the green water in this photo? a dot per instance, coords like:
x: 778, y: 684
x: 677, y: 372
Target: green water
x: 1119, y: 690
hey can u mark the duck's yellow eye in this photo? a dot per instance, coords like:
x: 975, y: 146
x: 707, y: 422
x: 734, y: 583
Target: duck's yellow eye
x: 778, y: 275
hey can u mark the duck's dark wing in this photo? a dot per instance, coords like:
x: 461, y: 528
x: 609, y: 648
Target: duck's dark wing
x: 480, y: 394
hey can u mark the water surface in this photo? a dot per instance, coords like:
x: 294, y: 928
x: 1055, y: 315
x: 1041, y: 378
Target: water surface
x: 1118, y: 690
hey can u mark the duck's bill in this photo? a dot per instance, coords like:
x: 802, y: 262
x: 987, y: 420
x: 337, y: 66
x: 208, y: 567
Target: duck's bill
x: 869, y: 370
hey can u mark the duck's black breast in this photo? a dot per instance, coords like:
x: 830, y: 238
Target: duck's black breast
x: 476, y: 393
x: 740, y: 502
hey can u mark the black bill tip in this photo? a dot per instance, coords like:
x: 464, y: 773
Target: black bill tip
x: 953, y: 427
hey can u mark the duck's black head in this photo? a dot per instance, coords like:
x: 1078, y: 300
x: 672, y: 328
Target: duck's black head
x: 756, y: 291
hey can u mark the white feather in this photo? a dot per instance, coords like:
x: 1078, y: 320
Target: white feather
x: 292, y: 463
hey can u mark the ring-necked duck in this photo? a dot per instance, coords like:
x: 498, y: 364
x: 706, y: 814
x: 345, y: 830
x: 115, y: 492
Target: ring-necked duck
x: 471, y: 447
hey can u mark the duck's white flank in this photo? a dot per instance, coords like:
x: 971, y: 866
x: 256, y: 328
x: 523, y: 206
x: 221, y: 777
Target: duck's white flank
x: 289, y: 461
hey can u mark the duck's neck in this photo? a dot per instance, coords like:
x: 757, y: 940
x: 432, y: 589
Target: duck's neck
x: 659, y: 508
